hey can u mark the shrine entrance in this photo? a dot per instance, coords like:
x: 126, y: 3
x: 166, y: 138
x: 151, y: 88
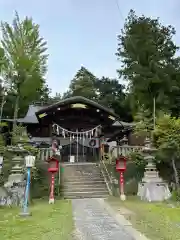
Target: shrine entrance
x: 78, y: 151
x: 79, y: 124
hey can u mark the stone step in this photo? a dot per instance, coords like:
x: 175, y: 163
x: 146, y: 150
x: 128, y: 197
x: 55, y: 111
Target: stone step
x: 81, y: 168
x: 84, y: 175
x: 89, y: 169
x: 89, y: 191
x: 84, y: 181
x: 89, y: 194
x: 78, y: 179
x: 87, y: 184
x: 84, y: 188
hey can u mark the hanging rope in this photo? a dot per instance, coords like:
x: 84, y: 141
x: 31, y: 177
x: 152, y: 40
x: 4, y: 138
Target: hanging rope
x: 89, y: 133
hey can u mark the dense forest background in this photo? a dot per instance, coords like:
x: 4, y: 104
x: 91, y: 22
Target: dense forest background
x: 146, y: 90
x: 149, y: 66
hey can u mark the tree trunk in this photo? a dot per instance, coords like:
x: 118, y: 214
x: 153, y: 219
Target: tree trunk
x: 16, y: 109
x: 176, y: 177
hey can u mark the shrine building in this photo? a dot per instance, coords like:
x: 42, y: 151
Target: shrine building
x: 80, y: 124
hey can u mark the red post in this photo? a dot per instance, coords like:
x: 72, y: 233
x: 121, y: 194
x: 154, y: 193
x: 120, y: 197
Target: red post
x: 121, y: 183
x: 121, y: 167
x: 51, y: 196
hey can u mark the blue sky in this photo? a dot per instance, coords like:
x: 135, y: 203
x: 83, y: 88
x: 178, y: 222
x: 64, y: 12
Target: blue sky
x: 83, y: 32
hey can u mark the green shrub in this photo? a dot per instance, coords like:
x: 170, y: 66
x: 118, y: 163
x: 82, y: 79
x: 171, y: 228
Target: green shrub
x: 175, y: 195
x: 131, y: 187
x: 39, y: 181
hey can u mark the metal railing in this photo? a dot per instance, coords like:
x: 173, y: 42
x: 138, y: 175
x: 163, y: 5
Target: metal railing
x: 106, y: 176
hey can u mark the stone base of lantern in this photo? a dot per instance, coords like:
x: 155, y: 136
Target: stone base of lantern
x: 153, y: 191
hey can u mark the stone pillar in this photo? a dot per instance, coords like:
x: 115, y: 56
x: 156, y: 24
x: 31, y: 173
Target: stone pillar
x: 152, y: 187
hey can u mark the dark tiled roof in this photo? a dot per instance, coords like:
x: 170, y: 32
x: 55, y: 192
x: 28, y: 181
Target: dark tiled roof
x: 77, y: 99
x: 30, y: 115
x: 35, y: 110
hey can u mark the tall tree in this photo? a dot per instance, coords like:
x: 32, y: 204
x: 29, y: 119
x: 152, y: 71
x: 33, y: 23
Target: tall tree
x: 106, y: 91
x: 55, y: 99
x: 83, y: 84
x: 25, y: 51
x: 147, y: 53
x: 109, y: 90
x: 110, y: 93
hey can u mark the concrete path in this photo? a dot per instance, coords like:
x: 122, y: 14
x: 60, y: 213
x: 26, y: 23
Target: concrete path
x: 93, y: 222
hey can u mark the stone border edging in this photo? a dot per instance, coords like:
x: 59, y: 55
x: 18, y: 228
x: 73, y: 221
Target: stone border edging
x: 123, y: 222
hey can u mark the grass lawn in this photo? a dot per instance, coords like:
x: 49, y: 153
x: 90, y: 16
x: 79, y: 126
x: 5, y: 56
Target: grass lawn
x: 158, y: 221
x: 47, y: 222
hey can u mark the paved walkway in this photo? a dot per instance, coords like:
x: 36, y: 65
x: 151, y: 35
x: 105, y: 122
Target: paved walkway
x: 94, y: 223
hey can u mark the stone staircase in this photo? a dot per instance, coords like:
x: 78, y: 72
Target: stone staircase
x: 84, y: 180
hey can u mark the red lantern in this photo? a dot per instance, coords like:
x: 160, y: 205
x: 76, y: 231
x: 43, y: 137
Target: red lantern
x: 121, y: 164
x: 121, y: 168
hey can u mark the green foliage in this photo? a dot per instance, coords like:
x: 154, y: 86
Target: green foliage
x: 110, y: 93
x: 32, y: 150
x: 19, y: 135
x: 7, y: 164
x: 131, y: 187
x: 3, y: 124
x: 83, y: 84
x: 166, y: 137
x: 26, y: 56
x: 147, y: 53
x: 106, y: 91
x: 137, y: 158
x: 39, y: 181
x: 143, y: 122
x: 175, y: 195
x: 2, y: 145
x: 55, y: 98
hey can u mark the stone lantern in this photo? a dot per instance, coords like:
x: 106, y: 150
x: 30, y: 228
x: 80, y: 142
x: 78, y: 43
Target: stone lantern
x: 152, y: 187
x: 15, y: 184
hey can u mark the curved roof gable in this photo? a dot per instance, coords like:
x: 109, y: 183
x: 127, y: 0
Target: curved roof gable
x: 76, y: 100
